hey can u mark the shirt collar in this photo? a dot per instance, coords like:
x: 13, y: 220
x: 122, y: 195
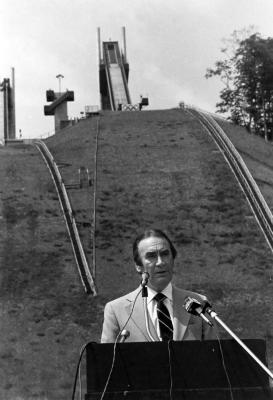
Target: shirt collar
x: 168, y: 291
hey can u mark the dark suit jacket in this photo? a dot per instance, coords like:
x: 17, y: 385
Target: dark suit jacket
x: 186, y: 326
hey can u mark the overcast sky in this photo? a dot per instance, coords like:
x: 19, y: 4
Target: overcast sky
x: 169, y: 46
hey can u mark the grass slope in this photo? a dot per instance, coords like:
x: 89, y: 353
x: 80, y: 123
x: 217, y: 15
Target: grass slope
x: 155, y: 168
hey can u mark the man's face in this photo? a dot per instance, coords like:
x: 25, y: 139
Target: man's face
x: 157, y: 260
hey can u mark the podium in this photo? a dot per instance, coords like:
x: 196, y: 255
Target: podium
x: 186, y: 370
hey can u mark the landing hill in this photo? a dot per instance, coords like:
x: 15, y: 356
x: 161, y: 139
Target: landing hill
x: 154, y: 169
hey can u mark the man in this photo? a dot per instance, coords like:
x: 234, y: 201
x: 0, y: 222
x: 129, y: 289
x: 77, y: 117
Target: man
x: 154, y: 253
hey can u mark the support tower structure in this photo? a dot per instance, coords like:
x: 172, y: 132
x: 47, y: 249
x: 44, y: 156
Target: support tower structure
x: 58, y: 107
x: 7, y: 109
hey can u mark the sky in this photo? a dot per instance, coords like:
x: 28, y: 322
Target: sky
x: 170, y: 44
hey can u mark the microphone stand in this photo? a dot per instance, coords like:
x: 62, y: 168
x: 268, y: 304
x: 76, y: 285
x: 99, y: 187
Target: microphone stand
x: 144, y: 298
x: 214, y: 315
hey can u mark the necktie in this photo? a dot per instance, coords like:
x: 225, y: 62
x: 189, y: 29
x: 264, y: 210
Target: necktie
x: 164, y: 319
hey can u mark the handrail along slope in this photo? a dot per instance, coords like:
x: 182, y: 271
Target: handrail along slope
x: 81, y: 261
x: 248, y: 185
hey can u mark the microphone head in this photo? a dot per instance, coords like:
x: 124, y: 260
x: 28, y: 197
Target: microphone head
x: 191, y: 305
x: 125, y: 333
x: 194, y: 306
x: 145, y: 277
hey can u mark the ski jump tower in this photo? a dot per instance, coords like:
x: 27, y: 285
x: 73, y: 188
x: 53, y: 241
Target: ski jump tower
x: 113, y: 74
x: 7, y: 109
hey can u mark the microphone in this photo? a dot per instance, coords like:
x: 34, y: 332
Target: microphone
x: 145, y: 278
x: 194, y: 307
x: 124, y: 335
x: 144, y: 281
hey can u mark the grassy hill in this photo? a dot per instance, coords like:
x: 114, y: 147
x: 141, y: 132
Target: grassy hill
x: 155, y: 169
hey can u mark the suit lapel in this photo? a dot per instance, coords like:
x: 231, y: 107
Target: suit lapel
x: 138, y: 316
x: 180, y: 316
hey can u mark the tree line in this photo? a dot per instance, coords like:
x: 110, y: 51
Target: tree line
x: 246, y: 71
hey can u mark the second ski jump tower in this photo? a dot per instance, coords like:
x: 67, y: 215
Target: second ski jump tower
x: 113, y: 74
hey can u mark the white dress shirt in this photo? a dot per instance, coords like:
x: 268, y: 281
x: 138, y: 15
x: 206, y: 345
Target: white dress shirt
x: 152, y: 305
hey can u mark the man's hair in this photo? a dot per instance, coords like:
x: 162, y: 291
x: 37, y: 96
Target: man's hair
x: 150, y: 233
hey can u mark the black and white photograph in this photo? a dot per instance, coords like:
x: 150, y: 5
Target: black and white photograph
x: 136, y: 200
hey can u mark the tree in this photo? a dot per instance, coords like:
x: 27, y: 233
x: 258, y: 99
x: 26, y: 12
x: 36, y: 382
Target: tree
x: 247, y: 74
